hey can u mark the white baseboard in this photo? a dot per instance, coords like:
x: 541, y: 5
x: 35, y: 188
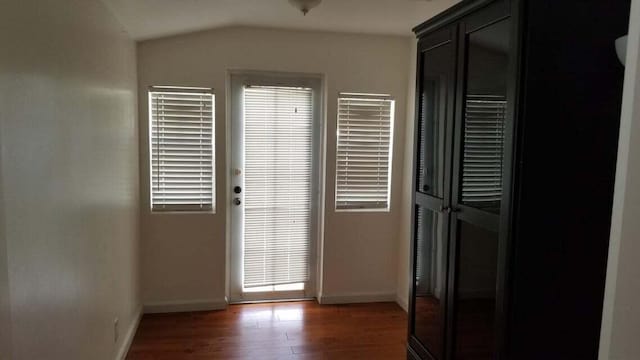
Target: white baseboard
x: 403, y: 302
x: 131, y: 333
x: 185, y: 306
x: 357, y: 298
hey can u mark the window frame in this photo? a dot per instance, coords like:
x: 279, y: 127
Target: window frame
x: 392, y: 116
x: 181, y: 208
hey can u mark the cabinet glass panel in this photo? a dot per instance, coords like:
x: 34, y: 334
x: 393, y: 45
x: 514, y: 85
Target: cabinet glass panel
x: 484, y: 113
x: 436, y: 76
x: 429, y: 281
x: 475, y: 300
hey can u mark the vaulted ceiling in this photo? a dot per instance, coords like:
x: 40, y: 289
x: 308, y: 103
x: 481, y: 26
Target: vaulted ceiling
x: 146, y: 19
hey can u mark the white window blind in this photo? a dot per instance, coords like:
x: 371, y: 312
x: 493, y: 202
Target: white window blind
x: 483, y: 150
x: 363, y: 156
x: 278, y: 127
x: 182, y: 142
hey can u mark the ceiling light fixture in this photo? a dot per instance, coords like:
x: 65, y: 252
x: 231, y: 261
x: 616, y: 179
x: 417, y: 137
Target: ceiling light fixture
x: 305, y: 5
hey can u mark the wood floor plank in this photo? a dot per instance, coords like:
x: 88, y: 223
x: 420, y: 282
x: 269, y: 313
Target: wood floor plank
x: 283, y: 331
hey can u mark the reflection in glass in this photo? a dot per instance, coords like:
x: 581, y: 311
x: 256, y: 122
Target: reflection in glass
x: 484, y: 117
x: 429, y: 284
x: 475, y: 293
x: 436, y: 70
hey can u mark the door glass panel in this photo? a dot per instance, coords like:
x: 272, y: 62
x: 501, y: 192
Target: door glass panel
x: 483, y: 128
x: 436, y: 70
x: 475, y: 292
x: 278, y: 123
x: 429, y: 283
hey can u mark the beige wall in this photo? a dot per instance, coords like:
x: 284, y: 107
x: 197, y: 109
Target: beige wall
x: 68, y: 136
x: 404, y: 232
x: 621, y: 317
x: 184, y: 255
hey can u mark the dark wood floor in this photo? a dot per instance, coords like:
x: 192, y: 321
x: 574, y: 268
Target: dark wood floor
x: 294, y: 330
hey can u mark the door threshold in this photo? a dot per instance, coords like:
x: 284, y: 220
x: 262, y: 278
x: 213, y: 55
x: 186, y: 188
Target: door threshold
x: 241, y: 302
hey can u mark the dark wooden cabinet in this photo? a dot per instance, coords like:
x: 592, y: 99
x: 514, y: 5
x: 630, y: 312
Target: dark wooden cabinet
x: 517, y: 118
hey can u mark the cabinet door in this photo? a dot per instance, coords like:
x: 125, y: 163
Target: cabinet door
x: 475, y: 291
x: 481, y: 130
x: 434, y: 131
x: 481, y: 153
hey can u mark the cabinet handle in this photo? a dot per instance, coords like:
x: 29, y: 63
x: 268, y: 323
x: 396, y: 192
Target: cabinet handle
x: 448, y: 210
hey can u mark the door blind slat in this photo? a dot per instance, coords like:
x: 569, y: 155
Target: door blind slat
x: 278, y: 124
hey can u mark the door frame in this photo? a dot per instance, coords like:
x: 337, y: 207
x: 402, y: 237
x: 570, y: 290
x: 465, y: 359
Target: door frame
x: 236, y: 80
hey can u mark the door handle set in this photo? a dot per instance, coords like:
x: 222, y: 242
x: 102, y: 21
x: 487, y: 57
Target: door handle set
x: 237, y: 190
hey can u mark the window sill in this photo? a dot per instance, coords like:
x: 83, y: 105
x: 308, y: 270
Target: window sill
x: 376, y: 211
x: 182, y: 212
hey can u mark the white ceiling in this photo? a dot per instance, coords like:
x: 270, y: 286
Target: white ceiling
x: 146, y: 19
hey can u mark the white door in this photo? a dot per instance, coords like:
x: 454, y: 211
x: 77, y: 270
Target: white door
x: 275, y: 152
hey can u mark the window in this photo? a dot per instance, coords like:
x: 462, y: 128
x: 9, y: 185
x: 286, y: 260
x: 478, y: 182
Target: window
x: 363, y: 156
x: 181, y: 131
x: 483, y: 149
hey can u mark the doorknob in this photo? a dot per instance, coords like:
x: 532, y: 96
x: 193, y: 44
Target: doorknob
x: 237, y: 201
